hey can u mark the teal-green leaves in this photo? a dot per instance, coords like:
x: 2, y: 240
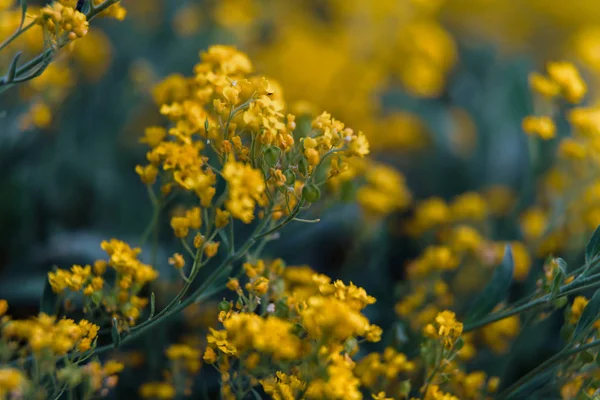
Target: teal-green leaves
x: 592, y: 250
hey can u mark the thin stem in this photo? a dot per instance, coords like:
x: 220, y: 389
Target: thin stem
x: 17, y: 33
x: 565, y: 353
x: 573, y: 287
x: 290, y: 218
x: 231, y: 236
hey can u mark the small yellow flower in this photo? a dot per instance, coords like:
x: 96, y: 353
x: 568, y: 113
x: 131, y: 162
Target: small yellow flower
x: 543, y: 85
x: 210, y: 357
x: 222, y: 218
x: 177, y: 261
x: 568, y: 79
x: 181, y: 226
x: 541, y: 126
x: 211, y: 249
x: 233, y: 284
x: 147, y: 173
x: 3, y: 307
x: 198, y: 240
x: 579, y: 304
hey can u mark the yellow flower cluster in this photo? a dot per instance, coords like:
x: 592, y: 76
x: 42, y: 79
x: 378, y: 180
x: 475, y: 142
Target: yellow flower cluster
x: 572, y: 178
x: 226, y: 123
x: 563, y: 80
x: 309, y: 327
x: 12, y: 383
x: 445, y: 328
x: 46, y: 333
x: 366, y: 44
x: 380, y: 372
x: 270, y: 336
x: 102, y: 377
x: 283, y: 387
x: 119, y: 300
x: 246, y: 190
x: 157, y: 390
x: 185, y: 354
x: 384, y: 192
x: 63, y: 22
x: 453, y: 263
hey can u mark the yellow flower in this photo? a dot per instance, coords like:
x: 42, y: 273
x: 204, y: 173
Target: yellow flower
x: 153, y: 136
x: 259, y: 286
x: 381, y: 396
x: 469, y: 206
x: 568, y: 79
x: 10, y: 380
x: 41, y: 115
x: 385, y: 191
x: 465, y: 238
x: 177, y: 261
x: 211, y: 249
x: 210, y: 357
x: 498, y: 335
x: 579, y: 304
x: 572, y: 149
x: 521, y: 259
x: 270, y: 335
x: 246, y: 188
x: 434, y: 393
x: 445, y: 327
x: 533, y: 223
x: 543, y: 85
x: 233, y: 284
x: 181, y: 226
x: 147, y: 173
x: 428, y: 214
x: 63, y: 21
x: 3, y: 307
x: 157, y: 390
x: 221, y: 218
x: 541, y: 126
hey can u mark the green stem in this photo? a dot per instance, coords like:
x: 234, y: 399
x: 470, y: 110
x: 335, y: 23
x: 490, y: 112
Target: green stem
x: 545, y: 365
x: 15, y: 35
x: 286, y: 221
x: 573, y: 287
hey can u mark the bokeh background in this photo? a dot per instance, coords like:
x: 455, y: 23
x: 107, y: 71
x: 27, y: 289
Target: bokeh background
x: 439, y: 87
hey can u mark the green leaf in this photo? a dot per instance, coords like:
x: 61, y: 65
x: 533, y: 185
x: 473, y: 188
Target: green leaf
x: 114, y: 332
x: 12, y: 69
x: 592, y: 250
x: 533, y: 385
x: 496, y: 290
x: 23, y: 12
x: 49, y: 301
x: 589, y: 315
x: 557, y: 282
x: 152, y: 305
x: 256, y: 394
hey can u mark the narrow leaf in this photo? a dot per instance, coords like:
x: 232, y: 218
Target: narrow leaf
x: 592, y: 250
x: 256, y: 395
x: 590, y: 314
x: 496, y: 289
x: 116, y: 336
x: 12, y: 69
x: 152, y: 305
x: 533, y: 385
x: 23, y: 12
x: 49, y: 300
